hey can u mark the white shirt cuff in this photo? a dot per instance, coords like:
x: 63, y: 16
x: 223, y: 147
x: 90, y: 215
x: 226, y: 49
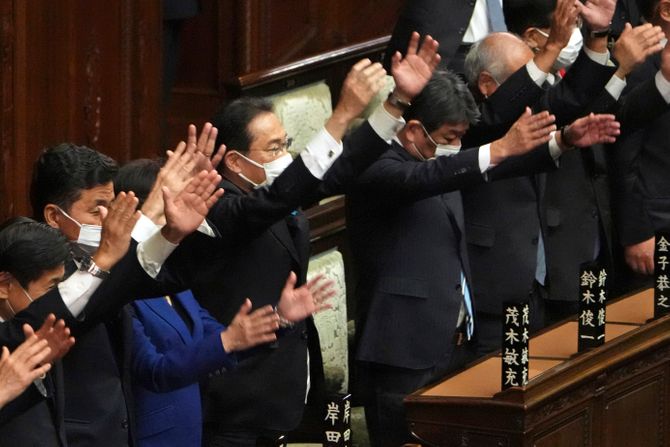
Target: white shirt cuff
x: 484, y: 155
x: 77, y: 290
x: 143, y: 229
x: 598, y: 58
x: 153, y: 252
x: 206, y: 229
x: 615, y: 86
x: 663, y: 86
x: 537, y: 75
x: 554, y: 149
x: 320, y: 153
x: 384, y: 124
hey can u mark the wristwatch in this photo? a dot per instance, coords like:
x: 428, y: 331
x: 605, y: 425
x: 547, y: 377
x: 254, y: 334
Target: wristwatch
x: 89, y: 265
x: 601, y: 32
x: 397, y: 102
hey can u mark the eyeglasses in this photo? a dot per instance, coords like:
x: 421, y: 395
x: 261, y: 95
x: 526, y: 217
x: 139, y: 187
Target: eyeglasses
x: 277, y: 149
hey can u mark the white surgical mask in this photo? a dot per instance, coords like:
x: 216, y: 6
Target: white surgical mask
x: 25, y: 292
x: 569, y: 54
x: 443, y: 149
x: 89, y: 235
x: 272, y: 169
x: 447, y: 150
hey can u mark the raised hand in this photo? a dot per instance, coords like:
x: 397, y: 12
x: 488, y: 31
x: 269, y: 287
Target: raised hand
x: 117, y: 224
x: 184, y: 212
x: 20, y: 368
x: 528, y: 132
x: 563, y: 22
x: 635, y: 45
x: 204, y: 147
x: 412, y: 72
x: 249, y: 329
x: 597, y: 14
x: 589, y: 130
x: 55, y: 333
x: 640, y: 256
x: 362, y: 83
x: 297, y: 304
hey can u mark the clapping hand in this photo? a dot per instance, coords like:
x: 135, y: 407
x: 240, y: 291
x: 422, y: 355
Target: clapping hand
x: 589, y: 130
x: 117, y: 225
x: 297, y: 304
x: 249, y: 329
x: 184, y: 212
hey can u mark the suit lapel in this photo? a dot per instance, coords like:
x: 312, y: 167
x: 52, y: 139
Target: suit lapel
x: 190, y: 305
x: 281, y: 233
x: 164, y: 311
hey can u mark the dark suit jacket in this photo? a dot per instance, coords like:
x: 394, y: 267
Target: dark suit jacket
x: 445, y: 20
x: 641, y: 166
x: 405, y: 221
x: 168, y: 360
x: 258, y: 246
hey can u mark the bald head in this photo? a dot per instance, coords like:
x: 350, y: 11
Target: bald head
x: 497, y: 57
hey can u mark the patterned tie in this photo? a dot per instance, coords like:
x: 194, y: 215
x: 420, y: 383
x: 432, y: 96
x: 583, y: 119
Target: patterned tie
x: 496, y: 17
x: 541, y: 265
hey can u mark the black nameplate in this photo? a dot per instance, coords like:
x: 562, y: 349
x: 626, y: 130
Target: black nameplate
x: 337, y: 421
x: 592, y: 301
x: 661, y: 271
x: 516, y: 324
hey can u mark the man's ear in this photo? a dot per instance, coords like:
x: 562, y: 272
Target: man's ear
x: 664, y: 11
x: 486, y: 84
x: 533, y: 38
x: 5, y: 280
x: 52, y: 215
x: 232, y: 161
x: 412, y: 129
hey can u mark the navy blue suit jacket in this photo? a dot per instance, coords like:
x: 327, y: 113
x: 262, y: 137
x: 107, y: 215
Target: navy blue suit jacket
x: 168, y: 360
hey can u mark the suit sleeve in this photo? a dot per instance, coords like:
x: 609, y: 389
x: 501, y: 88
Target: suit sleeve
x: 395, y: 178
x: 583, y: 83
x: 503, y: 108
x: 633, y: 222
x: 181, y: 365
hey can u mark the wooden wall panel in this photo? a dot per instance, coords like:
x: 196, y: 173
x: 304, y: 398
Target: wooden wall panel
x: 85, y: 72
x: 231, y: 38
x: 90, y: 72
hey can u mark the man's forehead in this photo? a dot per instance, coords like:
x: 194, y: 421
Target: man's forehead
x: 97, y: 194
x: 266, y: 126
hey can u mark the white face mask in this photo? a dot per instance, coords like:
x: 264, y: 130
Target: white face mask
x: 569, y: 54
x: 443, y: 149
x: 25, y: 292
x: 272, y: 169
x: 447, y: 150
x: 89, y: 235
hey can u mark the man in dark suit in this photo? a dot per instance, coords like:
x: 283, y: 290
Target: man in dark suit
x: 71, y: 191
x: 405, y: 220
x: 641, y: 161
x: 453, y: 23
x: 505, y: 218
x: 32, y: 257
x: 265, y: 395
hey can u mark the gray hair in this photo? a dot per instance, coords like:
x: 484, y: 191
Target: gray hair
x: 486, y: 55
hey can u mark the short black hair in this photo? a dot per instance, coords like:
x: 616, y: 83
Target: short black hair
x: 523, y: 14
x: 233, y: 120
x: 28, y: 249
x: 445, y: 99
x: 138, y: 176
x: 62, y: 172
x: 647, y: 8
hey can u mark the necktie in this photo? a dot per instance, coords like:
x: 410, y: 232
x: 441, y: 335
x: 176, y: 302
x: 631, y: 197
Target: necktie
x: 496, y: 17
x: 541, y: 266
x: 469, y: 318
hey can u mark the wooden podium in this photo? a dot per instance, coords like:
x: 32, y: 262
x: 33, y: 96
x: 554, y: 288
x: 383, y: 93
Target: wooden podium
x: 614, y: 395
